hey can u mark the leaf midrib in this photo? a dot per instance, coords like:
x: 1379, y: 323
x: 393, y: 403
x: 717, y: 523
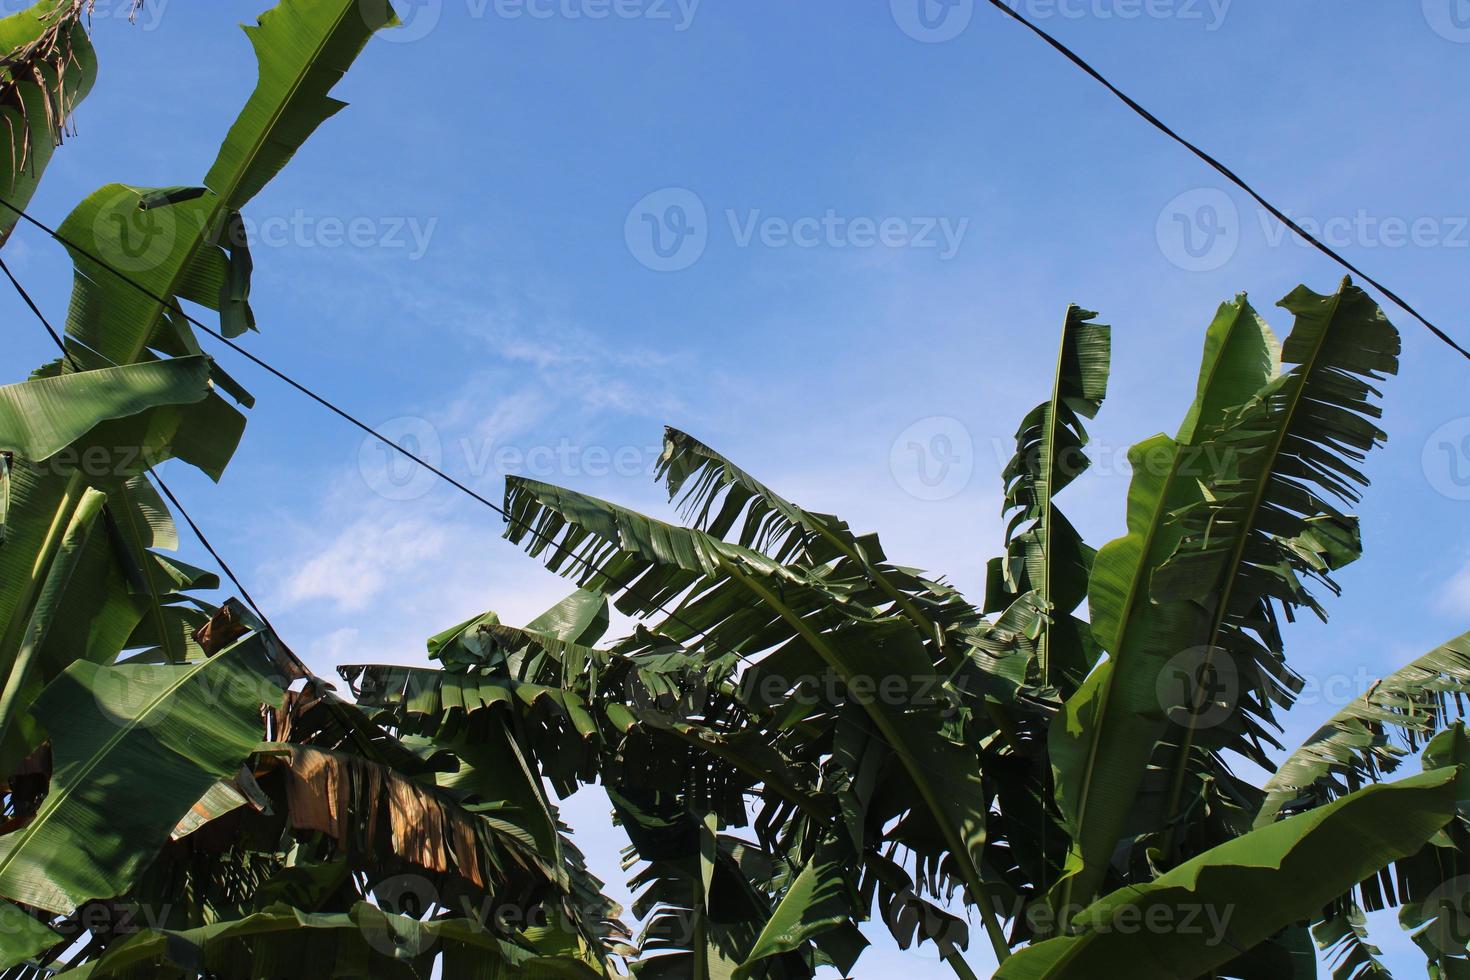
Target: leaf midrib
x: 1046, y: 473
x: 82, y: 774
x: 1238, y: 552
x: 1133, y: 592
x: 219, y: 206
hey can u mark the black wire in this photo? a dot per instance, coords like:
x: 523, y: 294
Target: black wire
x: 625, y: 586
x: 224, y: 566
x: 1226, y: 172
x: 1061, y: 48
x: 173, y: 306
x: 39, y: 315
x: 198, y: 532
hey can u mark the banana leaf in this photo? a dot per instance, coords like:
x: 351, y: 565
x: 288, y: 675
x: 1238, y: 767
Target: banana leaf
x: 50, y: 67
x: 135, y: 747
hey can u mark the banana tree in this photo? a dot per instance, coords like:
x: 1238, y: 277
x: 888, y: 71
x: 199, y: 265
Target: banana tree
x: 173, y: 803
x: 890, y: 745
x: 799, y: 735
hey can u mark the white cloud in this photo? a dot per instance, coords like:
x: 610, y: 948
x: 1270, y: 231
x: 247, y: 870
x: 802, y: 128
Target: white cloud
x: 571, y: 366
x: 356, y: 565
x: 340, y: 646
x: 508, y: 414
x: 367, y: 580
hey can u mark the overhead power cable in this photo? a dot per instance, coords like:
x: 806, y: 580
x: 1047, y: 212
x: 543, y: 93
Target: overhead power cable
x: 1005, y: 8
x: 626, y: 586
x: 1226, y: 172
x: 163, y: 487
x: 174, y: 307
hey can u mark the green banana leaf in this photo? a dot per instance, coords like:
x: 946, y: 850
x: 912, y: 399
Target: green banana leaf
x: 717, y: 497
x: 61, y: 595
x: 692, y: 871
x: 1269, y: 523
x: 1353, y: 746
x: 134, y: 747
x: 81, y: 436
x: 28, y: 635
x: 1046, y: 562
x: 304, y: 49
x: 365, y: 941
x: 613, y: 546
x: 50, y: 67
x: 580, y: 618
x: 22, y: 936
x: 1102, y: 740
x: 175, y: 245
x: 1343, y: 938
x: 40, y: 418
x: 1200, y: 915
x: 818, y: 901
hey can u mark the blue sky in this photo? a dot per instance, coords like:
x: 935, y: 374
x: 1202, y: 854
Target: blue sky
x: 868, y: 223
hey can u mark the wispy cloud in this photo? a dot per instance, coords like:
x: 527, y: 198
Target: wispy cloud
x: 573, y: 366
x: 354, y: 567
x: 377, y: 585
